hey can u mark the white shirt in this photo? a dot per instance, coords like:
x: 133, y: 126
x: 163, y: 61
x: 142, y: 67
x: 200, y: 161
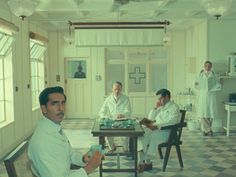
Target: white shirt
x: 208, y: 85
x: 168, y: 114
x: 51, y: 154
x: 112, y: 107
x: 208, y: 81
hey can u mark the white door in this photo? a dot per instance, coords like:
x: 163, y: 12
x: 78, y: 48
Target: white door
x: 78, y: 87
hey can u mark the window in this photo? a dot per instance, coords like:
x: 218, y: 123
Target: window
x: 37, y: 50
x: 6, y: 79
x: 142, y: 70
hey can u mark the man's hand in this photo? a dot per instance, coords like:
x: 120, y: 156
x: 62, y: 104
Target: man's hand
x: 148, y: 123
x: 120, y: 116
x: 86, y: 158
x: 93, y: 162
x: 158, y: 104
x: 152, y: 126
x: 145, y: 121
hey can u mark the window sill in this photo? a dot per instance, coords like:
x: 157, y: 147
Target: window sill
x: 5, y: 123
x: 35, y: 108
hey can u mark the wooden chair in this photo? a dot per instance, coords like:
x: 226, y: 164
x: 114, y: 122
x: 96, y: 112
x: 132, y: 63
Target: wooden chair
x: 17, y: 163
x: 173, y: 140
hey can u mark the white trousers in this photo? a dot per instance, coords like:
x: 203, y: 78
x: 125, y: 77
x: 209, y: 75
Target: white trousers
x: 151, y: 139
x: 124, y: 142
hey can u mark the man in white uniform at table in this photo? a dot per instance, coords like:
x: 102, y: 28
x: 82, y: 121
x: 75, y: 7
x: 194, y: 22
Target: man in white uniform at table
x: 49, y: 150
x: 116, y: 106
x: 165, y: 113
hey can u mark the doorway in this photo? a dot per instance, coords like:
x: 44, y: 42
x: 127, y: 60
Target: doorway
x: 78, y: 87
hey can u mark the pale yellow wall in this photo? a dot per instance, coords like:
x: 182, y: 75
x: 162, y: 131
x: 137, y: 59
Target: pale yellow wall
x: 178, y: 62
x: 221, y: 42
x: 24, y: 118
x: 211, y: 40
x: 196, y: 51
x: 97, y: 57
x: 55, y: 61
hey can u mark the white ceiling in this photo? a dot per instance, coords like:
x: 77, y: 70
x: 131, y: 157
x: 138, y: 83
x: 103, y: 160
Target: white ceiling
x: 181, y: 13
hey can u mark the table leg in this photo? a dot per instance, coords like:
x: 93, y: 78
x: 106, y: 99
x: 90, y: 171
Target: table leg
x: 102, y: 142
x: 228, y: 122
x: 135, y: 140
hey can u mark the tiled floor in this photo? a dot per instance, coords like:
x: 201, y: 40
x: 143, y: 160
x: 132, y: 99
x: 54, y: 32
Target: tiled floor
x: 203, y: 156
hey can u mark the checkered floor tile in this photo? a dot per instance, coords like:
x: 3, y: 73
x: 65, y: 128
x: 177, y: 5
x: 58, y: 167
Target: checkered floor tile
x: 203, y: 157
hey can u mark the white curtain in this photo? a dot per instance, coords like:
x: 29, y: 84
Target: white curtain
x: 119, y: 37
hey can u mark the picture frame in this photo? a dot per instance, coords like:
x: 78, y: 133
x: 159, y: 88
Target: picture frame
x: 76, y: 69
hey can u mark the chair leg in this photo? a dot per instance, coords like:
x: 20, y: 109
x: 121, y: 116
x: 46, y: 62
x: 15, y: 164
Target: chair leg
x: 167, y: 154
x: 179, y: 156
x: 160, y: 152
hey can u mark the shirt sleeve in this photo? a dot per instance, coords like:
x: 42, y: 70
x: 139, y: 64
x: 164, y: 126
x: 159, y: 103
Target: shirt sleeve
x: 127, y: 108
x: 104, y: 111
x: 76, y: 158
x: 47, y: 166
x: 153, y: 113
x: 169, y: 117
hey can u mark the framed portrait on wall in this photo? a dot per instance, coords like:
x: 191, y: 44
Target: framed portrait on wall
x: 76, y: 69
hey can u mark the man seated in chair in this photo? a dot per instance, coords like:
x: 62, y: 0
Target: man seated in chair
x: 116, y: 106
x: 165, y: 113
x: 49, y: 149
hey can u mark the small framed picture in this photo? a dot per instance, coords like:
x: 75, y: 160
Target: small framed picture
x: 76, y: 69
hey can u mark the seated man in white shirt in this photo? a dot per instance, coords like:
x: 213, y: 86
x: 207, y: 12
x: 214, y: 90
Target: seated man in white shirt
x: 49, y: 149
x: 116, y: 106
x: 165, y: 113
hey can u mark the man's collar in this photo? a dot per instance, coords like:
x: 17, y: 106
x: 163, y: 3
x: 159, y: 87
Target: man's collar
x: 51, y: 125
x: 167, y: 103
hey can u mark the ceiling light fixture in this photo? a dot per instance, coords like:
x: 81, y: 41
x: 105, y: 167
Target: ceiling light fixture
x: 216, y: 8
x: 23, y: 8
x: 69, y: 37
x: 166, y: 38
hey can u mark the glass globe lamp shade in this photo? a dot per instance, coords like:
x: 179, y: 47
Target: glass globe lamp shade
x: 22, y: 8
x: 216, y: 7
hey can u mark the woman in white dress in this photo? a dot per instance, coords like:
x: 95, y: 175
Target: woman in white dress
x: 207, y: 83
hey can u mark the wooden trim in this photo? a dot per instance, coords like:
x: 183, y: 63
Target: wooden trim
x: 8, y: 25
x: 38, y: 37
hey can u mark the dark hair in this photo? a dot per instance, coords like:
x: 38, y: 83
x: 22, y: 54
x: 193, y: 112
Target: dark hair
x: 43, y: 97
x: 163, y: 92
x: 208, y: 62
x: 117, y: 82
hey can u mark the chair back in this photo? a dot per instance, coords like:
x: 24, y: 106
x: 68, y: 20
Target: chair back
x: 182, y: 123
x: 17, y: 163
x: 176, y: 130
x: 173, y: 140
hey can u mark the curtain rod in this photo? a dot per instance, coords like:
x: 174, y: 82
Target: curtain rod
x: 163, y: 23
x: 118, y: 27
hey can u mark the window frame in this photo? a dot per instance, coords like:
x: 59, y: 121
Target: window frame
x: 6, y: 77
x: 37, y: 50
